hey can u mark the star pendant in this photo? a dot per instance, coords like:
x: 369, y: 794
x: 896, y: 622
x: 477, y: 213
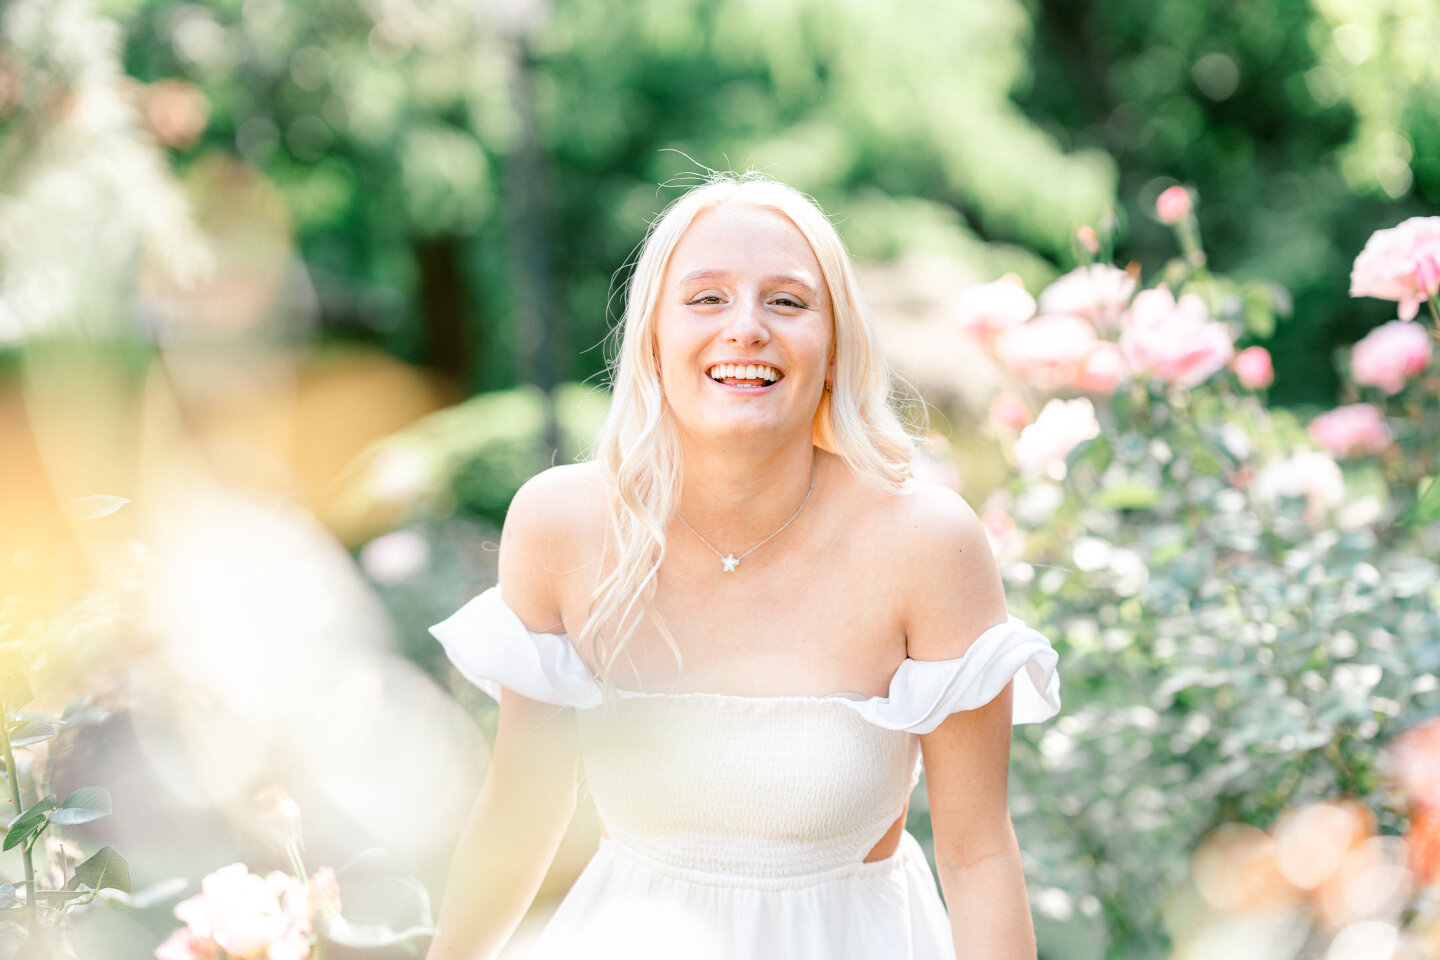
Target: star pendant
x: 730, y: 563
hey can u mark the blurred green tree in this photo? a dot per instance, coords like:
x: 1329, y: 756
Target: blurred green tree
x: 466, y: 178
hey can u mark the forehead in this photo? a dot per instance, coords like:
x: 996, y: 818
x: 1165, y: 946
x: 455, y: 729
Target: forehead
x: 742, y: 238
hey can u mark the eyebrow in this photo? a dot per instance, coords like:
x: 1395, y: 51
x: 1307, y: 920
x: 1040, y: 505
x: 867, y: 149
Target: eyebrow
x: 779, y: 279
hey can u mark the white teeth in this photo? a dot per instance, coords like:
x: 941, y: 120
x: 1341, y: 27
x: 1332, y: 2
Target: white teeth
x: 744, y: 371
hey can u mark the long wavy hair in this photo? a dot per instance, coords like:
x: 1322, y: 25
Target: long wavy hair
x: 638, y: 447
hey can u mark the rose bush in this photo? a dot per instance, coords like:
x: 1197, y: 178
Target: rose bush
x: 1243, y: 620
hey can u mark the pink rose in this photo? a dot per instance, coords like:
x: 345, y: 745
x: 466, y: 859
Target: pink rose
x: 1390, y: 354
x: 1356, y: 428
x: 984, y: 311
x: 1061, y: 427
x: 1254, y: 369
x: 249, y: 916
x: 1174, y: 205
x: 1098, y: 293
x: 1009, y: 411
x: 1177, y: 342
x: 1102, y: 370
x: 1401, y: 263
x: 1047, y: 351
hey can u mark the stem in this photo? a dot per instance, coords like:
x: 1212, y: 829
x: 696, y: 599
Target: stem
x: 30, y: 900
x: 1434, y: 314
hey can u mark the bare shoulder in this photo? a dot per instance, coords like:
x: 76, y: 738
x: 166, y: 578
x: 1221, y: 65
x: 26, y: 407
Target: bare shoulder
x: 553, y: 523
x: 947, y: 571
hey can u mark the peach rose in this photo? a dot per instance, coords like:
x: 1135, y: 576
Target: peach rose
x: 1351, y: 430
x: 986, y: 310
x: 1174, y: 205
x: 1390, y: 354
x: 1415, y: 756
x: 1401, y: 264
x: 1061, y: 427
x: 1048, y: 351
x: 1253, y: 368
x: 249, y: 916
x: 1097, y: 293
x: 1177, y: 342
x: 183, y: 944
x: 1102, y: 370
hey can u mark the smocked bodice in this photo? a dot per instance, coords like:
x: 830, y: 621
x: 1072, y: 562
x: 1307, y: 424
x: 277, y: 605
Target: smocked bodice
x: 760, y: 787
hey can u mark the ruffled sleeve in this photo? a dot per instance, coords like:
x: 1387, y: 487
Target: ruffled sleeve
x: 924, y: 692
x: 491, y: 648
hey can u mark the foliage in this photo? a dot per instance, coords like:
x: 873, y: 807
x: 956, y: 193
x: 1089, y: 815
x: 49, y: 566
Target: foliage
x: 35, y: 912
x: 1240, y: 629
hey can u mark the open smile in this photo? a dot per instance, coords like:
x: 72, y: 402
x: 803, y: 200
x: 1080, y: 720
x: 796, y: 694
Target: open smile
x: 749, y: 377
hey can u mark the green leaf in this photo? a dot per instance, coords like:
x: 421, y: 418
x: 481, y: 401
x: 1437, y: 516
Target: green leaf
x: 105, y: 869
x: 27, y: 732
x: 1427, y: 509
x: 82, y: 806
x: 31, y: 821
x: 14, y: 688
x: 1128, y: 495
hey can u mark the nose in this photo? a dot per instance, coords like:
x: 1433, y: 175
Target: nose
x: 745, y: 326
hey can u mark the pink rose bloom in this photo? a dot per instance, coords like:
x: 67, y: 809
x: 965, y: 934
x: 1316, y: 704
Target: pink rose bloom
x: 1174, y: 205
x: 1009, y: 411
x: 249, y: 916
x: 183, y: 944
x: 1390, y: 354
x: 1354, y: 429
x: 1177, y: 342
x: 1046, y: 351
x: 1401, y: 264
x: 1098, y: 293
x: 1102, y: 370
x: 1061, y: 427
x: 1254, y: 369
x: 984, y: 311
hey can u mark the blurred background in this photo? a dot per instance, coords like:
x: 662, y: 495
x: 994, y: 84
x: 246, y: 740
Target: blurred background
x: 294, y: 295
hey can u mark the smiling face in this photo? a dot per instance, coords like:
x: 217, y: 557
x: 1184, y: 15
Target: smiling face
x: 743, y: 327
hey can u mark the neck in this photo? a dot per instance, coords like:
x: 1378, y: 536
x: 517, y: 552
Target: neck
x: 736, y: 496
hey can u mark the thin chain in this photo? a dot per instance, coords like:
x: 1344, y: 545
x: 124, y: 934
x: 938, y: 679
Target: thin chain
x: 734, y: 560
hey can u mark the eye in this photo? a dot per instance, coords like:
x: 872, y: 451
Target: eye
x: 706, y: 298
x: 787, y: 301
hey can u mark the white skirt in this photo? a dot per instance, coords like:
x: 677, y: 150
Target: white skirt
x: 627, y: 906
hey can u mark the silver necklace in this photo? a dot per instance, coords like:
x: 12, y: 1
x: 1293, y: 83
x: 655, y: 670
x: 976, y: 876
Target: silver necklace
x: 729, y: 561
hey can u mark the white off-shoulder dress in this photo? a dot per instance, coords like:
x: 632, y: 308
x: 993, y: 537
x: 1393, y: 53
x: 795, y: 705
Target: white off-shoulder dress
x: 738, y: 826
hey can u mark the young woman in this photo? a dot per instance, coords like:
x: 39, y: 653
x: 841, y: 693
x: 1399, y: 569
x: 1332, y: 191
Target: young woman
x: 772, y: 623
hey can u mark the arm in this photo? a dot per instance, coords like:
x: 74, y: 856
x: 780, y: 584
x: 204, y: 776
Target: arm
x: 513, y: 830
x: 529, y: 792
x: 956, y: 594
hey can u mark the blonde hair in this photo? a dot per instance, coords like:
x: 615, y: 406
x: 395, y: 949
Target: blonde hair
x: 638, y: 447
